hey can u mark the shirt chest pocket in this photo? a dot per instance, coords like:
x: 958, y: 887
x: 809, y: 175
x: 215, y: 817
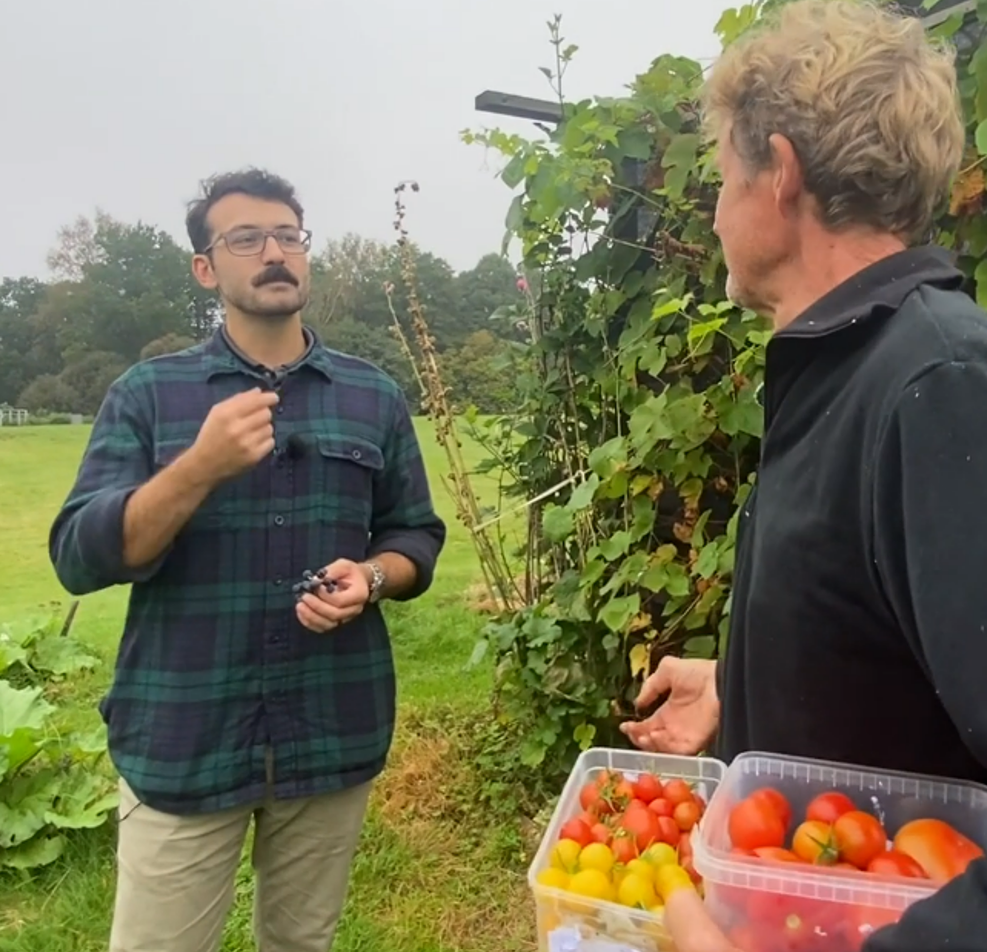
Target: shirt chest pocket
x: 344, y: 472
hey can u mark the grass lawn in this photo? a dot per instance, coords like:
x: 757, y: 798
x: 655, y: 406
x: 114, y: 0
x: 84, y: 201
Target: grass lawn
x: 431, y: 876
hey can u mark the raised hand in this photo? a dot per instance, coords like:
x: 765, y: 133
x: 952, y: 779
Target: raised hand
x: 688, y: 719
x: 236, y: 435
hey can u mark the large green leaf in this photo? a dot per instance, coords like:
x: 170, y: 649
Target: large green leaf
x: 21, y: 708
x: 41, y: 851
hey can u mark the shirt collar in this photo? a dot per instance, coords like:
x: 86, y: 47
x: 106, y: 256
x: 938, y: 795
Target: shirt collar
x: 225, y: 357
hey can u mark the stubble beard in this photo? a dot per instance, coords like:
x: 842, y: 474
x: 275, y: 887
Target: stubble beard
x: 254, y: 303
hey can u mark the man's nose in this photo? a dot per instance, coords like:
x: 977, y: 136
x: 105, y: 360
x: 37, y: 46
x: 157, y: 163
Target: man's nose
x: 271, y: 252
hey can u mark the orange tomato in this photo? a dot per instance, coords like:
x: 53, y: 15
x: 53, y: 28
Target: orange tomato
x: 814, y: 842
x: 941, y: 851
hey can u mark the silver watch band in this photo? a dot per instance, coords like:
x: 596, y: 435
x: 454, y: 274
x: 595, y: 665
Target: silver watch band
x: 376, y: 582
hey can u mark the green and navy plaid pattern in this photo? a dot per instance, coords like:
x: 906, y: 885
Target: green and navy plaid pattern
x: 214, y: 668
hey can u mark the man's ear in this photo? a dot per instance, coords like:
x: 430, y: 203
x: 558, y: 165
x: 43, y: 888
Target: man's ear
x: 203, y: 271
x: 788, y: 181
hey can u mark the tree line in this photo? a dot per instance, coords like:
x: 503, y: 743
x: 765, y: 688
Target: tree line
x: 120, y: 293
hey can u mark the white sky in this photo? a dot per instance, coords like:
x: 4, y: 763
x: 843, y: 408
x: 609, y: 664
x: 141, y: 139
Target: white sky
x: 127, y: 105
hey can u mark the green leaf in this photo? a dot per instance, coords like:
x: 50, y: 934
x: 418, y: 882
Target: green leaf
x: 618, y: 612
x: 42, y: 851
x: 980, y: 137
x: 61, y: 656
x: 616, y: 546
x: 681, y: 151
x: 21, y: 708
x: 84, y: 801
x: 513, y: 174
x: 709, y: 558
x: 980, y: 276
x: 606, y: 459
x: 582, y: 496
x: 584, y: 735
x: 479, y: 653
x: 702, y: 646
x: 557, y: 523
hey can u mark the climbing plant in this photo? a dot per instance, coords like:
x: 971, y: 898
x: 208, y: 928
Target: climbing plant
x: 638, y: 434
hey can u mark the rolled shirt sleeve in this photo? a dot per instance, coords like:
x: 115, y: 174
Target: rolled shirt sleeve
x: 85, y: 543
x: 404, y: 518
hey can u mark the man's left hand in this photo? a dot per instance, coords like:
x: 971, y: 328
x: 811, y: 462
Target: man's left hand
x: 323, y: 610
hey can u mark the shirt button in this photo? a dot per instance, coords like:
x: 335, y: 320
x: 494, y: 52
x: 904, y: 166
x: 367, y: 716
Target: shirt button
x: 279, y: 581
x: 280, y: 408
x: 279, y: 520
x: 357, y: 454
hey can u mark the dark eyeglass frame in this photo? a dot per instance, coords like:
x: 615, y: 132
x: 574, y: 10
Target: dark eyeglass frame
x: 261, y: 235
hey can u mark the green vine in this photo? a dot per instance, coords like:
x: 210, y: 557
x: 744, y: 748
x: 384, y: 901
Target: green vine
x: 638, y: 436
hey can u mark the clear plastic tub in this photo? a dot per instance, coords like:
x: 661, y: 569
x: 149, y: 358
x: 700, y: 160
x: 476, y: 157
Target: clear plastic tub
x: 777, y: 906
x: 571, y: 923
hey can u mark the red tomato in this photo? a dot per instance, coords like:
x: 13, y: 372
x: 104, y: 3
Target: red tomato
x: 590, y: 798
x: 602, y: 795
x: 893, y: 863
x: 777, y: 801
x: 669, y: 831
x: 814, y: 842
x: 860, y: 921
x: 576, y: 830
x: 677, y: 791
x: 601, y: 833
x: 686, y: 815
x: 755, y: 822
x: 620, y: 795
x: 624, y: 848
x: 829, y: 807
x: 942, y: 852
x: 642, y: 825
x: 588, y: 818
x: 859, y: 837
x: 700, y: 802
x: 661, y: 807
x: 647, y: 787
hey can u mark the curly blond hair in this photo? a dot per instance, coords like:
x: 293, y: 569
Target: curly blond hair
x: 868, y: 100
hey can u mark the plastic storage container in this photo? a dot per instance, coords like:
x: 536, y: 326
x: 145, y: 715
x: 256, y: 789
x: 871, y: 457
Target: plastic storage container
x: 571, y: 923
x: 769, y: 907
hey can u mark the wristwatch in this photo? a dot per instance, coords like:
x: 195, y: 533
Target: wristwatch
x: 377, y: 579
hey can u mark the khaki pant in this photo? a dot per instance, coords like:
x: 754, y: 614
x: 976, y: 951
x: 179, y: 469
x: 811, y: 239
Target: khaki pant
x: 176, y: 874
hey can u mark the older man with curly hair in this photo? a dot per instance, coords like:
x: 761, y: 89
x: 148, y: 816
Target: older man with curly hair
x: 859, y: 607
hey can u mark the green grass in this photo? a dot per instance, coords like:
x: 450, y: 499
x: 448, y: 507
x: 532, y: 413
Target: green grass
x: 431, y: 875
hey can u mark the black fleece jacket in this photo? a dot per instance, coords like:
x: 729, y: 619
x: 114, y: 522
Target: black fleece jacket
x: 859, y: 612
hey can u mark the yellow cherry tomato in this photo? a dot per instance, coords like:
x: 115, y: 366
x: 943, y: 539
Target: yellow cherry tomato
x: 670, y: 879
x: 592, y: 884
x: 636, y: 891
x: 596, y: 856
x: 553, y: 877
x: 565, y: 855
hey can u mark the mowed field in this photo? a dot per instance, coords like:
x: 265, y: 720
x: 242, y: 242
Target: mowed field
x: 433, y: 874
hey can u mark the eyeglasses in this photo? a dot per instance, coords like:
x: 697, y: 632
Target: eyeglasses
x: 251, y: 241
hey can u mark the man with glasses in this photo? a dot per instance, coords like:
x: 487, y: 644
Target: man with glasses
x: 262, y: 494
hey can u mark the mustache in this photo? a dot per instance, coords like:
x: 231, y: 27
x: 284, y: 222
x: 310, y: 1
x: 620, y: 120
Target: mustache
x: 276, y: 272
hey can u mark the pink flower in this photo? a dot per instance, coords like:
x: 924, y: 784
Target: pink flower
x: 522, y: 284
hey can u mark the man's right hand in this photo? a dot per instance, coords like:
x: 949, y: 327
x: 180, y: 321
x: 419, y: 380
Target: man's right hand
x: 687, y: 721
x: 236, y: 435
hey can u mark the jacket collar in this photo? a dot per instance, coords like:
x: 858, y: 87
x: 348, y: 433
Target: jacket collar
x: 879, y: 289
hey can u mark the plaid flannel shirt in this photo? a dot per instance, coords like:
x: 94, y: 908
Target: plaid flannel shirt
x: 216, y: 681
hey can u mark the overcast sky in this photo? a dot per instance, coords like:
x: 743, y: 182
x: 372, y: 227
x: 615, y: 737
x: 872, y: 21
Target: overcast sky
x: 127, y: 104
